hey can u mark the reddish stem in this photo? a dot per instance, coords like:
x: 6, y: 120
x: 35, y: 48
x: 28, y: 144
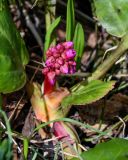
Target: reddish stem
x: 48, y: 87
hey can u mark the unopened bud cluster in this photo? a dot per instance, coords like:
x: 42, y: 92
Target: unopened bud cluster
x: 60, y: 60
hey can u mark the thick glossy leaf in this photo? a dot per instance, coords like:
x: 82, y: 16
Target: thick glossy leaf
x: 116, y: 149
x: 48, y: 36
x: 9, y: 31
x: 88, y: 93
x: 13, y: 53
x: 113, y: 15
x: 12, y: 75
x: 79, y: 41
x: 70, y: 21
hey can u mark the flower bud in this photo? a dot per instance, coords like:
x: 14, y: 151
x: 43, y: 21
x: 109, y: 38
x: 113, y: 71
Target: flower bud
x: 45, y: 70
x: 50, y: 61
x: 63, y: 55
x: 53, y: 50
x: 51, y: 77
x: 64, y: 69
x: 48, y: 53
x: 56, y: 54
x: 72, y: 63
x: 71, y: 70
x: 70, y: 54
x: 68, y: 45
x: 60, y: 61
x: 60, y: 48
x: 56, y: 65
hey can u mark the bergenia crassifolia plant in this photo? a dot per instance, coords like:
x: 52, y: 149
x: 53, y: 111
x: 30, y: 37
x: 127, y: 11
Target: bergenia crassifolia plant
x: 59, y: 60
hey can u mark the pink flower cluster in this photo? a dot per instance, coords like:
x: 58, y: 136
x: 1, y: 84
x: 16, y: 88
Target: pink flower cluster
x: 60, y: 60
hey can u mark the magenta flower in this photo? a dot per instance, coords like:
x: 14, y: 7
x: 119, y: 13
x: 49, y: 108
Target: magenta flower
x: 60, y: 60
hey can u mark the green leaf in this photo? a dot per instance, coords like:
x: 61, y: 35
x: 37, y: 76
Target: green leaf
x: 70, y: 21
x: 5, y: 152
x: 79, y: 41
x: 12, y: 75
x: 113, y: 15
x: 26, y: 145
x: 9, y: 31
x: 88, y: 93
x: 1, y: 101
x: 116, y: 149
x: 13, y: 53
x: 6, y: 144
x: 48, y: 36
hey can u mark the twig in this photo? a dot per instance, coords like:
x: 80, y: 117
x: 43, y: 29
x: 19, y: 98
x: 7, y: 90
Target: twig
x: 79, y: 74
x: 35, y: 73
x: 32, y: 28
x: 121, y: 75
x: 34, y: 4
x: 118, y: 123
x: 30, y: 25
x: 43, y: 64
x: 16, y: 107
x: 123, y: 124
x: 82, y: 147
x: 35, y: 68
